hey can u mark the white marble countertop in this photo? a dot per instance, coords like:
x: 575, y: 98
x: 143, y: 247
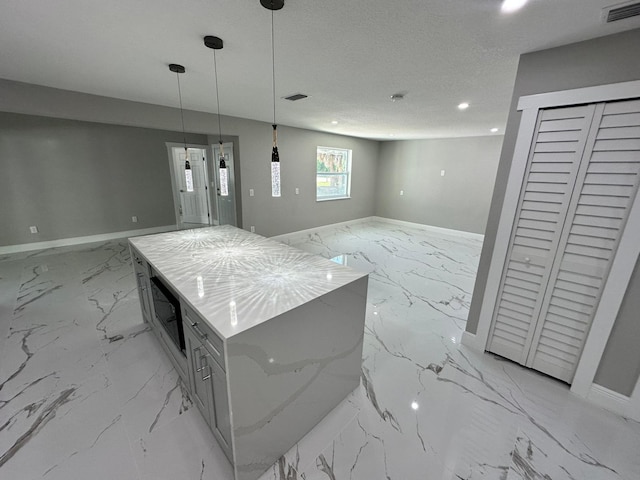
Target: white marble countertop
x: 237, y: 280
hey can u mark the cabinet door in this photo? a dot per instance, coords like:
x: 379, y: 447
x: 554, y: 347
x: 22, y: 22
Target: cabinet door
x: 142, y: 280
x: 197, y: 373
x: 143, y: 293
x: 220, y: 402
x: 219, y: 413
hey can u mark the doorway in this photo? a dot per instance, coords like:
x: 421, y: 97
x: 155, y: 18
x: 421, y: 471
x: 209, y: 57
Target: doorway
x: 225, y: 199
x: 190, y: 186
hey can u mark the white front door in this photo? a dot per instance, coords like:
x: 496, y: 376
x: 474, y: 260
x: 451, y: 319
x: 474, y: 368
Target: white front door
x: 226, y: 203
x: 192, y: 192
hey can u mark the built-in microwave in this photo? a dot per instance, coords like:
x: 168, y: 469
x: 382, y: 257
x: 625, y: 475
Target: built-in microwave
x: 167, y: 311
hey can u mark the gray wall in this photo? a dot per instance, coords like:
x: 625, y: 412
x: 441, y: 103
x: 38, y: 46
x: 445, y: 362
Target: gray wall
x: 600, y: 61
x: 270, y: 216
x: 297, y: 148
x: 620, y: 366
x: 460, y: 200
x: 72, y: 178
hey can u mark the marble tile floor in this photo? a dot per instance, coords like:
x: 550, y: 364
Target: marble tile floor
x: 87, y: 392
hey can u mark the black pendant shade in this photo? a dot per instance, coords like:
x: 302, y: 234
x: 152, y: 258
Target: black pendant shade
x: 175, y: 68
x: 272, y: 4
x: 213, y: 42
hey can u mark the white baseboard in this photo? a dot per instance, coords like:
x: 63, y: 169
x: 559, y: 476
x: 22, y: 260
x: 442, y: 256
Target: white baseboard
x: 446, y: 231
x: 613, y: 401
x: 470, y: 340
x: 103, y: 237
x: 321, y: 228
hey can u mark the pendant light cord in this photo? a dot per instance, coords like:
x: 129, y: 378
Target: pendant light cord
x: 273, y: 69
x: 184, y: 137
x: 215, y: 72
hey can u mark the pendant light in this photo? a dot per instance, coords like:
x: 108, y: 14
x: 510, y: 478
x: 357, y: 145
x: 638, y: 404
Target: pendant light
x: 188, y: 174
x: 275, y: 156
x: 215, y: 43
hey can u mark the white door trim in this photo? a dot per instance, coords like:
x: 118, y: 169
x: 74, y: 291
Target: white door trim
x: 176, y: 196
x: 599, y: 93
x: 622, y: 267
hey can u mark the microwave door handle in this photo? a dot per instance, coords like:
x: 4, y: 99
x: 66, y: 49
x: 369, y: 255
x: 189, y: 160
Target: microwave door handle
x: 173, y: 316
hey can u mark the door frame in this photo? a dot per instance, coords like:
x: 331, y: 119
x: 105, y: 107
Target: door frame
x: 621, y: 268
x: 174, y: 188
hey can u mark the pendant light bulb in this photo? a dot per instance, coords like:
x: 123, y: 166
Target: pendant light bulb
x: 275, y: 165
x: 188, y: 174
x: 224, y: 175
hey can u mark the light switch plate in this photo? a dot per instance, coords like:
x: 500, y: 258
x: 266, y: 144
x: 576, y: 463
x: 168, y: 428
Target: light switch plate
x: 33, y: 229
x: 297, y: 191
x: 251, y: 192
x: 442, y: 173
x: 401, y: 193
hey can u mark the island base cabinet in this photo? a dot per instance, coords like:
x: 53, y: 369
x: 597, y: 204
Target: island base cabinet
x: 265, y: 360
x: 208, y: 384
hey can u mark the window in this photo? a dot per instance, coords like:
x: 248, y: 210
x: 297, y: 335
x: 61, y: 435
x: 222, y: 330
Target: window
x: 333, y: 173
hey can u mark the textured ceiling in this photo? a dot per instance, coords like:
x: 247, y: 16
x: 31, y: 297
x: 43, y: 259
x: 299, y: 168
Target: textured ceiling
x: 349, y: 56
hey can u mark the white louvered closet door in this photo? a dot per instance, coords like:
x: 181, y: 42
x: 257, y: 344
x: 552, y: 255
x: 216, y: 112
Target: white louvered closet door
x: 558, y: 146
x: 605, y: 189
x: 581, y: 179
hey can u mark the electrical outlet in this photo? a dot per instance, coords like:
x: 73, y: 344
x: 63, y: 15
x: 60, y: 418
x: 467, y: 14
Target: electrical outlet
x: 33, y: 229
x: 401, y: 193
x: 442, y: 173
x: 297, y: 191
x: 253, y: 229
x: 134, y: 219
x: 251, y: 192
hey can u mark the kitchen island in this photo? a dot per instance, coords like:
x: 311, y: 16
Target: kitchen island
x: 272, y: 336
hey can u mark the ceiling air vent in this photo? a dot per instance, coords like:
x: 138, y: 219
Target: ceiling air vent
x: 297, y: 96
x: 621, y: 11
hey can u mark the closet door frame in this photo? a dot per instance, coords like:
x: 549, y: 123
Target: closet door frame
x: 628, y: 249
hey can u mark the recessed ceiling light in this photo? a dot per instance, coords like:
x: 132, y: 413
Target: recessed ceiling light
x: 334, y: 122
x: 494, y: 130
x: 510, y: 6
x: 415, y: 405
x: 463, y: 106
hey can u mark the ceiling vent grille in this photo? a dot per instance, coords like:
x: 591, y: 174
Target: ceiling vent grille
x: 623, y: 11
x: 297, y: 96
